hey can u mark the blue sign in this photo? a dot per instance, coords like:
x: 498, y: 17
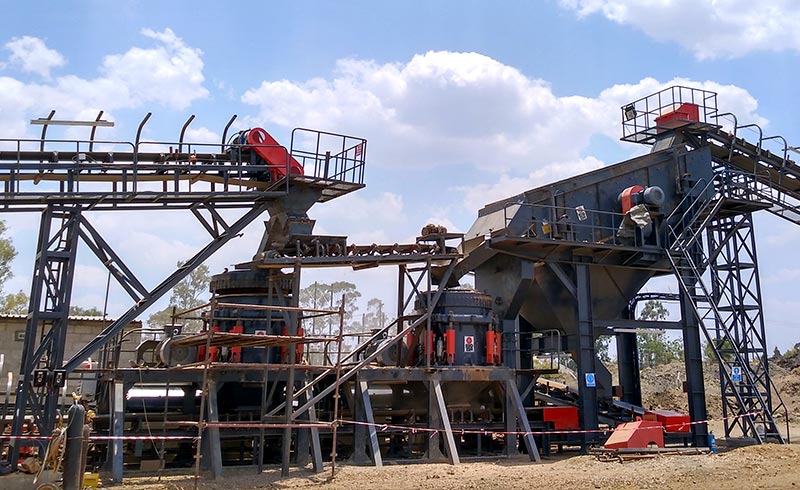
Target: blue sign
x: 736, y: 374
x: 591, y: 382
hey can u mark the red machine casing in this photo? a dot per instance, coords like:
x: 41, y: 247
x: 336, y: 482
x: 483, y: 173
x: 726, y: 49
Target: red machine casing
x: 236, y: 352
x: 273, y: 153
x: 563, y: 418
x: 298, y: 348
x: 450, y: 345
x: 640, y: 434
x: 673, y: 422
x: 213, y: 352
x: 625, y: 197
x: 490, y: 347
x: 430, y: 345
x: 684, y: 112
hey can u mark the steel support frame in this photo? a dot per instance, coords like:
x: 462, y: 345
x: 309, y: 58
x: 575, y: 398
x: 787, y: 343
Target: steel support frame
x: 736, y: 292
x: 587, y: 405
x: 46, y: 327
x: 693, y: 362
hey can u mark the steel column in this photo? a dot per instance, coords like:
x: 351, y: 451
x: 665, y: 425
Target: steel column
x: 51, y: 291
x: 628, y: 360
x: 370, y: 419
x: 587, y: 405
x: 518, y: 410
x: 449, y: 440
x: 693, y: 360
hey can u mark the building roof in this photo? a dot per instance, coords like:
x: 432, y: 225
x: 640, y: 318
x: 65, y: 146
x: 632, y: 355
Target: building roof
x: 77, y: 318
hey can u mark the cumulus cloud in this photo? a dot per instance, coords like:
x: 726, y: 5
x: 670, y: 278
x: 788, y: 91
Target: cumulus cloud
x: 169, y: 73
x: 31, y: 54
x: 467, y: 109
x: 460, y: 108
x: 475, y: 197
x: 708, y: 28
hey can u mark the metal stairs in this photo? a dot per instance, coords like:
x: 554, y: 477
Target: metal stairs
x: 730, y: 317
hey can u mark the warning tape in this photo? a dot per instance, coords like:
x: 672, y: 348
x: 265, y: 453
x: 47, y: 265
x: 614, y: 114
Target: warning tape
x: 103, y: 438
x: 433, y: 432
x: 403, y: 428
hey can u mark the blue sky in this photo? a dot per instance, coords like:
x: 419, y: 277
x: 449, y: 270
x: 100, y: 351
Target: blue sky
x: 462, y: 102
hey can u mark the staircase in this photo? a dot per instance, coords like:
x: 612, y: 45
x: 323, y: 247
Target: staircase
x: 729, y: 311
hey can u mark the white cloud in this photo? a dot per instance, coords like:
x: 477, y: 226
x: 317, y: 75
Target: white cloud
x: 169, y: 73
x: 31, y: 54
x: 708, y: 28
x: 477, y: 196
x: 460, y: 108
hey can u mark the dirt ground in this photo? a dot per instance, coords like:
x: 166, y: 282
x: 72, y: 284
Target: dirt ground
x: 763, y: 467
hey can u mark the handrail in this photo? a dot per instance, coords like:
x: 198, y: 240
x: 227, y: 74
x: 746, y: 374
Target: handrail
x: 574, y: 224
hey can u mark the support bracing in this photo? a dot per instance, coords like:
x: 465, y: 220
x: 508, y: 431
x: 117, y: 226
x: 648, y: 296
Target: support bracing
x: 44, y: 370
x: 41, y: 374
x: 736, y: 292
x: 720, y: 295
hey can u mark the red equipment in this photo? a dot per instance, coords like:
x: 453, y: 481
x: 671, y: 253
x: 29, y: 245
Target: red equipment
x: 673, y: 422
x: 563, y: 418
x: 450, y: 345
x: 298, y: 348
x: 213, y: 352
x: 683, y: 113
x: 260, y: 141
x: 235, y: 354
x: 626, y: 197
x: 492, y: 347
x: 639, y: 434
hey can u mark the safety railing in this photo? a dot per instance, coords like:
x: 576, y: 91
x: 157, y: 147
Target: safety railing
x: 118, y: 168
x: 330, y: 156
x: 646, y: 118
x: 574, y: 224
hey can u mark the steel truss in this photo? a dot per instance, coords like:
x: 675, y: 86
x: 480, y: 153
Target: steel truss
x: 736, y: 293
x: 44, y: 368
x: 64, y: 179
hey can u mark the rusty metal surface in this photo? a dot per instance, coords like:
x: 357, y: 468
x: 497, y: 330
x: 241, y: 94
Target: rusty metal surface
x: 226, y: 339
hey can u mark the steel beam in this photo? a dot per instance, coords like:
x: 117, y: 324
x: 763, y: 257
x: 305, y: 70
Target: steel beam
x: 380, y: 350
x: 370, y: 419
x: 214, y: 442
x: 693, y: 360
x: 118, y: 402
x: 512, y: 396
x: 587, y: 405
x: 156, y: 293
x: 51, y: 291
x: 449, y: 440
x: 628, y: 359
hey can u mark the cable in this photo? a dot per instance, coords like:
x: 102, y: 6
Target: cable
x: 146, y: 421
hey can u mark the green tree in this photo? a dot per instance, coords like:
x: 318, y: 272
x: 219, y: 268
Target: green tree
x: 654, y: 348
x: 186, y: 294
x: 601, y: 346
x: 14, y: 303
x: 654, y: 310
x: 722, y: 345
x: 375, y: 316
x: 7, y: 254
x: 81, y: 311
x: 329, y: 297
x: 315, y: 296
